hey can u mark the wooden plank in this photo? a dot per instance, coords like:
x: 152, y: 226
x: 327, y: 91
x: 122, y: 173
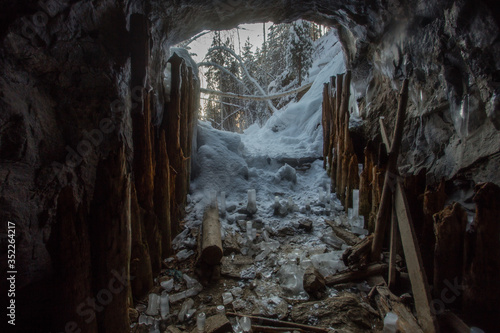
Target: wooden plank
x: 383, y: 132
x: 390, y: 175
x: 279, y: 323
x: 388, y: 302
x: 416, y: 270
x: 374, y: 269
x: 394, y: 249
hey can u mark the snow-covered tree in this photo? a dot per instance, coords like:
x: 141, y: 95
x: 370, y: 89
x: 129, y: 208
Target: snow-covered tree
x: 300, y: 48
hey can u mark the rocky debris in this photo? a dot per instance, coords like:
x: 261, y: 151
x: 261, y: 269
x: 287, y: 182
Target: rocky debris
x: 234, y: 266
x: 216, y: 324
x: 306, y: 224
x: 232, y: 243
x: 133, y: 315
x: 314, y: 283
x: 346, y: 313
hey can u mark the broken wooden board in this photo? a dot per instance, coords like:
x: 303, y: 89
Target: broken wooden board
x: 388, y: 302
x: 418, y: 279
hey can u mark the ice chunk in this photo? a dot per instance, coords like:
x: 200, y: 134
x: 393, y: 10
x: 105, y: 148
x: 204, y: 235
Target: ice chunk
x: 179, y: 239
x: 333, y: 241
x: 252, y: 201
x: 250, y: 231
x: 246, y: 324
x: 186, y: 306
x: 143, y: 319
x: 153, y: 304
x: 221, y: 309
x: 291, y: 277
x: 286, y: 172
x: 200, y: 322
x: 167, y: 285
x: 476, y: 330
x: 164, y: 306
x: 328, y: 263
x: 190, y: 313
x: 321, y: 195
x: 184, y: 254
x: 227, y: 298
x: 237, y: 291
x: 390, y: 323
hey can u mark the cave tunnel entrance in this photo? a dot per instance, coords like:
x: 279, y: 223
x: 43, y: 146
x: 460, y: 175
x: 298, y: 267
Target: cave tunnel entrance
x: 96, y: 240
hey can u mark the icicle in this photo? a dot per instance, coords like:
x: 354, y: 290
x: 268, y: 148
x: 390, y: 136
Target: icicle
x: 246, y: 324
x: 250, y: 232
x: 200, y: 322
x: 213, y: 199
x: 252, y: 201
x: 321, y: 195
x: 355, y: 203
x: 164, y: 306
x: 222, y: 207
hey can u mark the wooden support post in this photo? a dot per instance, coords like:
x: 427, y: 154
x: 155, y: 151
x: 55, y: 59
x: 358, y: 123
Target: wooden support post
x: 394, y: 249
x: 414, y: 263
x: 383, y: 132
x: 390, y: 175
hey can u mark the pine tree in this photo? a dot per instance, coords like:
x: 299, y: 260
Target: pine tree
x: 300, y: 48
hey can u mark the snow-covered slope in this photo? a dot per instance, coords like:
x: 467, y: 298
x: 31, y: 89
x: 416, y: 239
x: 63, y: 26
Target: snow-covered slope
x: 295, y: 131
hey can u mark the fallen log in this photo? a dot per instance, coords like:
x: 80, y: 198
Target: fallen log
x: 348, y: 237
x: 279, y: 323
x: 358, y: 254
x: 211, y: 245
x: 361, y: 274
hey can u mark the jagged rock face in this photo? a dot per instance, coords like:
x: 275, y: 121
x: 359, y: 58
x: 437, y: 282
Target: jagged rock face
x: 66, y: 101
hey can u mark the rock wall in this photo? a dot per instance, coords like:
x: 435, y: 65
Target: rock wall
x: 94, y: 148
x: 94, y: 168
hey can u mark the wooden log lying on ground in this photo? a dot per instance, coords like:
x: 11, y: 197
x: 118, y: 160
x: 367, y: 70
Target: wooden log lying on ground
x: 388, y: 302
x: 359, y: 254
x: 211, y: 245
x: 374, y: 269
x: 348, y: 237
x: 280, y: 323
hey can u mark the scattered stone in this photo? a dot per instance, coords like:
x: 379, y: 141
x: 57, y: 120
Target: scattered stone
x: 345, y: 313
x: 231, y: 244
x: 306, y: 225
x: 231, y: 208
x: 173, y: 329
x: 286, y: 231
x: 233, y: 267
x: 314, y: 283
x: 216, y: 324
x: 206, y: 299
